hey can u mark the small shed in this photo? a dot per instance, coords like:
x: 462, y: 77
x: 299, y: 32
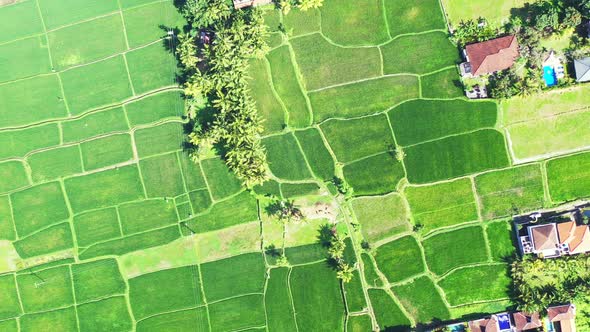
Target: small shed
x: 582, y: 67
x: 238, y: 4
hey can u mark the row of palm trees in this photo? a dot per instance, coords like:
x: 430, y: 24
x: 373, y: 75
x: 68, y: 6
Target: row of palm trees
x: 217, y: 72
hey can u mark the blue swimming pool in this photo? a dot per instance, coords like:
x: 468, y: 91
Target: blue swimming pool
x: 549, y: 76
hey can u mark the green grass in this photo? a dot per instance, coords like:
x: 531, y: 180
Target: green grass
x: 10, y: 306
x: 237, y: 210
x: 151, y: 67
x: 421, y: 300
x: 176, y: 321
x: 285, y: 159
x: 286, y: 84
x: 142, y: 31
x: 14, y: 175
x: 317, y: 298
x: 304, y: 254
x: 20, y: 20
x: 511, y: 191
x: 222, y: 182
x: 353, y: 290
x: 354, y: 139
x: 400, y: 259
x: 165, y: 290
x: 55, y: 292
x: 57, y: 13
x: 442, y: 205
x: 290, y: 190
x: 94, y: 124
x: 38, y: 207
x: 24, y: 58
x: 442, y: 84
x: 439, y: 118
x: 267, y: 104
x: 107, y: 315
x: 162, y: 176
x: 86, y: 42
x: 363, y: 98
x: 109, y: 188
x: 495, y: 12
x: 145, y: 215
x: 500, y: 239
x: 317, y: 155
x: 366, y: 16
x: 375, y: 175
x: 238, y: 313
x: 97, y: 84
x: 132, y: 243
x: 41, y: 94
x: 413, y: 16
x: 370, y: 270
x: 323, y: 64
x: 97, y: 279
x: 193, y: 175
x: 456, y: 251
x: 279, y: 311
x: 388, y: 313
x: 233, y: 276
x: 60, y: 320
x: 268, y: 188
x: 560, y: 134
x: 20, y: 142
x: 456, y: 156
x: 545, y: 105
x: 200, y: 200
x: 52, y: 239
x: 360, y: 323
x: 150, y: 109
x: 419, y: 54
x: 485, y: 283
x: 568, y: 177
x: 299, y: 22
x: 106, y: 151
x: 159, y: 139
x: 10, y: 325
x: 96, y: 226
x: 55, y: 163
x: 7, y: 231
x: 228, y: 242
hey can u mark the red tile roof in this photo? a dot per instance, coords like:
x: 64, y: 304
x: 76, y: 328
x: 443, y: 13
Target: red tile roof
x: 525, y: 321
x: 544, y: 237
x: 492, y: 55
x: 562, y: 312
x: 484, y: 325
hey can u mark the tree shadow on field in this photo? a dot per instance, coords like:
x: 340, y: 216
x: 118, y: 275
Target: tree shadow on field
x: 397, y: 328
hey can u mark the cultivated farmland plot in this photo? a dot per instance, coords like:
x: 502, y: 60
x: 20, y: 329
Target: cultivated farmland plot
x: 106, y: 224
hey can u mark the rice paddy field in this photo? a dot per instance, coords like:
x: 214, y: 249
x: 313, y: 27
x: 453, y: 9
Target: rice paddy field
x: 106, y: 224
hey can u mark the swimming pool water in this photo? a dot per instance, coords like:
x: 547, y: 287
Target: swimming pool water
x: 549, y: 76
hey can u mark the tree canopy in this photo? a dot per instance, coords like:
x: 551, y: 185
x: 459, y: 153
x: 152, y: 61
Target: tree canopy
x: 217, y: 69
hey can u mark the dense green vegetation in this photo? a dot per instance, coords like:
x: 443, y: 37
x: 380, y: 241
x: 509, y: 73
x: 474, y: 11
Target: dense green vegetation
x: 389, y: 183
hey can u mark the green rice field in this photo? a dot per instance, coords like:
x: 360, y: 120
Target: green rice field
x: 107, y: 223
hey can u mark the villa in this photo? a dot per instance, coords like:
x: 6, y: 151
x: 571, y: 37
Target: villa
x: 489, y: 56
x: 239, y: 4
x: 559, y: 318
x: 555, y: 239
x: 562, y: 318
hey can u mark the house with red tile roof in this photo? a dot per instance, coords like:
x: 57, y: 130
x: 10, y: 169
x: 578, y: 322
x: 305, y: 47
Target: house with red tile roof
x: 490, y: 56
x: 526, y: 321
x: 563, y: 317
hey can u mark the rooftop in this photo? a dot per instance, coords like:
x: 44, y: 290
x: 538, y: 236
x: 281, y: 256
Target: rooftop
x: 492, y: 55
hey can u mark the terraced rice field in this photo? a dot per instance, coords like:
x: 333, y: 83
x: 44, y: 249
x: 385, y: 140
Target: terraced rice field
x: 106, y: 224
